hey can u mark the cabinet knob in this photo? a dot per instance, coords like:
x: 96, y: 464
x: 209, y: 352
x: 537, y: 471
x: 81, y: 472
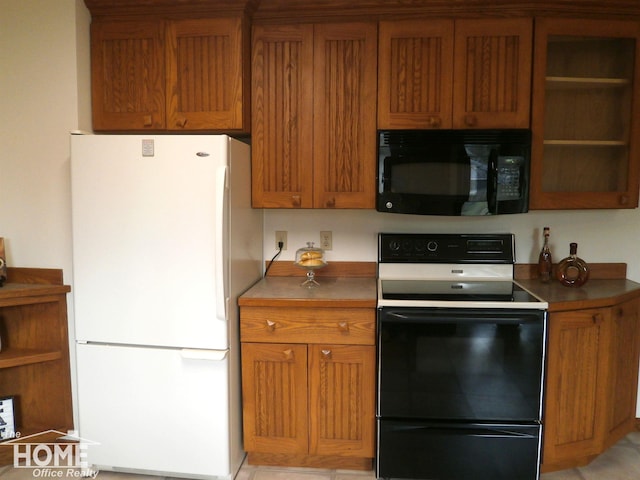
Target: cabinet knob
x: 147, y: 121
x: 623, y: 200
x: 435, y: 122
x: 296, y: 201
x: 597, y: 318
x: 271, y: 326
x: 288, y: 354
x: 326, y: 354
x: 470, y: 120
x: 181, y: 122
x: 343, y: 327
x: 331, y: 203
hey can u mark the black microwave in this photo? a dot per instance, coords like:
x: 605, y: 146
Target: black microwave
x: 453, y: 172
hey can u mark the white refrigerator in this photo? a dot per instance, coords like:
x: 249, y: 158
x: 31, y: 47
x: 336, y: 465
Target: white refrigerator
x: 164, y: 240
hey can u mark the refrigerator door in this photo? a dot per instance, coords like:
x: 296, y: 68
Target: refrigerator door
x: 148, y: 239
x: 133, y: 414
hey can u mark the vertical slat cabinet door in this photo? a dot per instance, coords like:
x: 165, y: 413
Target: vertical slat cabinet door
x: 282, y: 116
x: 624, y: 370
x: 576, y: 384
x: 127, y: 75
x: 206, y: 75
x: 274, y: 398
x: 342, y: 400
x: 415, y: 71
x: 492, y: 73
x: 344, y: 128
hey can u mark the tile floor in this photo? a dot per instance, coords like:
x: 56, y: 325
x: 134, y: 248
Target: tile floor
x: 620, y: 462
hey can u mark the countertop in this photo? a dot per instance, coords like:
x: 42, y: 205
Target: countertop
x: 595, y: 293
x: 344, y: 291
x: 332, y: 292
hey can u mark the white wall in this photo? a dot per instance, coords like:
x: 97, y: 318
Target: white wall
x: 44, y: 93
x: 602, y: 236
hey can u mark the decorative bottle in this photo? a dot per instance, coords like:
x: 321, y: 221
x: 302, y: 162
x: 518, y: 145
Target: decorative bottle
x: 573, y: 271
x: 545, y: 263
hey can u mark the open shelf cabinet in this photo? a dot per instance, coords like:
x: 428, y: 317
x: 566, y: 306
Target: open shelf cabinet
x: 34, y: 359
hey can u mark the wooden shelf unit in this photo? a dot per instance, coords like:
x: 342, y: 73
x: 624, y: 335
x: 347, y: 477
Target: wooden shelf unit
x: 34, y: 360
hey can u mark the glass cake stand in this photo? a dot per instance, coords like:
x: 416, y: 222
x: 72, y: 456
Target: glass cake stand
x: 311, y: 259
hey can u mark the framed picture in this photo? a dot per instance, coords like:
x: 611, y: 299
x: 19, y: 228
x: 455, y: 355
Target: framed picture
x: 3, y: 263
x: 7, y: 419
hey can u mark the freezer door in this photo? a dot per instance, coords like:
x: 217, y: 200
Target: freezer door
x: 149, y: 230
x: 157, y: 411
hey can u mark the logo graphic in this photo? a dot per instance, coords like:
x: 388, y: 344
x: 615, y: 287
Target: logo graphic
x: 52, y: 454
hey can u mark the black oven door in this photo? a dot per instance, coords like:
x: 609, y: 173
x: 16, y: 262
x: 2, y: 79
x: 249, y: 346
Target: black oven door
x: 461, y: 364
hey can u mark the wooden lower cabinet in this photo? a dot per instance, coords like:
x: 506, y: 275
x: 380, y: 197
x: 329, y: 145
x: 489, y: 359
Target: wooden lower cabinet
x: 34, y: 358
x: 309, y: 404
x: 592, y: 378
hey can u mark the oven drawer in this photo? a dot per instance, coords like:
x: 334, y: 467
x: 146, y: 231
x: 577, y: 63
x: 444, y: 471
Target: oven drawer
x: 350, y: 326
x: 454, y: 451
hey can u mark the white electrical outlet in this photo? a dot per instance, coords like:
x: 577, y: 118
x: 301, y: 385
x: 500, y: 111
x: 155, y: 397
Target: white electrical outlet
x: 281, y: 236
x: 326, y: 240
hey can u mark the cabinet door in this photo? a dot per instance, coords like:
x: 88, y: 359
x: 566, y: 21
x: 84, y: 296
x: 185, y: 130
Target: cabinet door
x: 342, y: 400
x: 206, y: 86
x: 415, y: 68
x: 127, y: 75
x: 623, y: 379
x: 344, y: 123
x: 274, y: 398
x: 492, y: 73
x: 282, y: 116
x: 585, y: 111
x: 576, y: 384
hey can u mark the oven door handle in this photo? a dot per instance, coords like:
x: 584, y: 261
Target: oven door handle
x: 461, y: 317
x: 498, y: 431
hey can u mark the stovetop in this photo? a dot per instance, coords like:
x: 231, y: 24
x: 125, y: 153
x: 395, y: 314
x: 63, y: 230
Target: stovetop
x: 450, y: 271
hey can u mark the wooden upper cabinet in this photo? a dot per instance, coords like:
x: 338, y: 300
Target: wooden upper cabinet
x: 205, y: 71
x: 127, y: 75
x: 344, y: 128
x: 415, y: 72
x: 455, y: 73
x: 282, y: 116
x: 586, y: 114
x: 170, y: 74
x: 313, y: 132
x: 492, y: 73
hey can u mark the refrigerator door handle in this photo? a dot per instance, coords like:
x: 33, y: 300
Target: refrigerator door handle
x: 201, y: 354
x: 221, y: 186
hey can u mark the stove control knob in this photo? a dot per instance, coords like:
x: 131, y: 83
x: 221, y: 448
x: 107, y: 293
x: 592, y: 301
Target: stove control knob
x: 394, y: 245
x: 432, y: 246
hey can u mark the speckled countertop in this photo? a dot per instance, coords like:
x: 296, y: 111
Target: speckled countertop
x: 332, y: 292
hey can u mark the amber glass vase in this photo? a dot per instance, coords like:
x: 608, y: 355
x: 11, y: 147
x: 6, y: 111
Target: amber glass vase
x: 572, y: 271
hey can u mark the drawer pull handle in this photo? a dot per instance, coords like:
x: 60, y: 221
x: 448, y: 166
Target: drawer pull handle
x: 271, y: 326
x: 343, y: 327
x: 326, y: 354
x: 288, y: 354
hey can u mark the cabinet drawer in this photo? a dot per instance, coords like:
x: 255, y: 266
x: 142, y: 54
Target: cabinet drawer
x: 351, y: 326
